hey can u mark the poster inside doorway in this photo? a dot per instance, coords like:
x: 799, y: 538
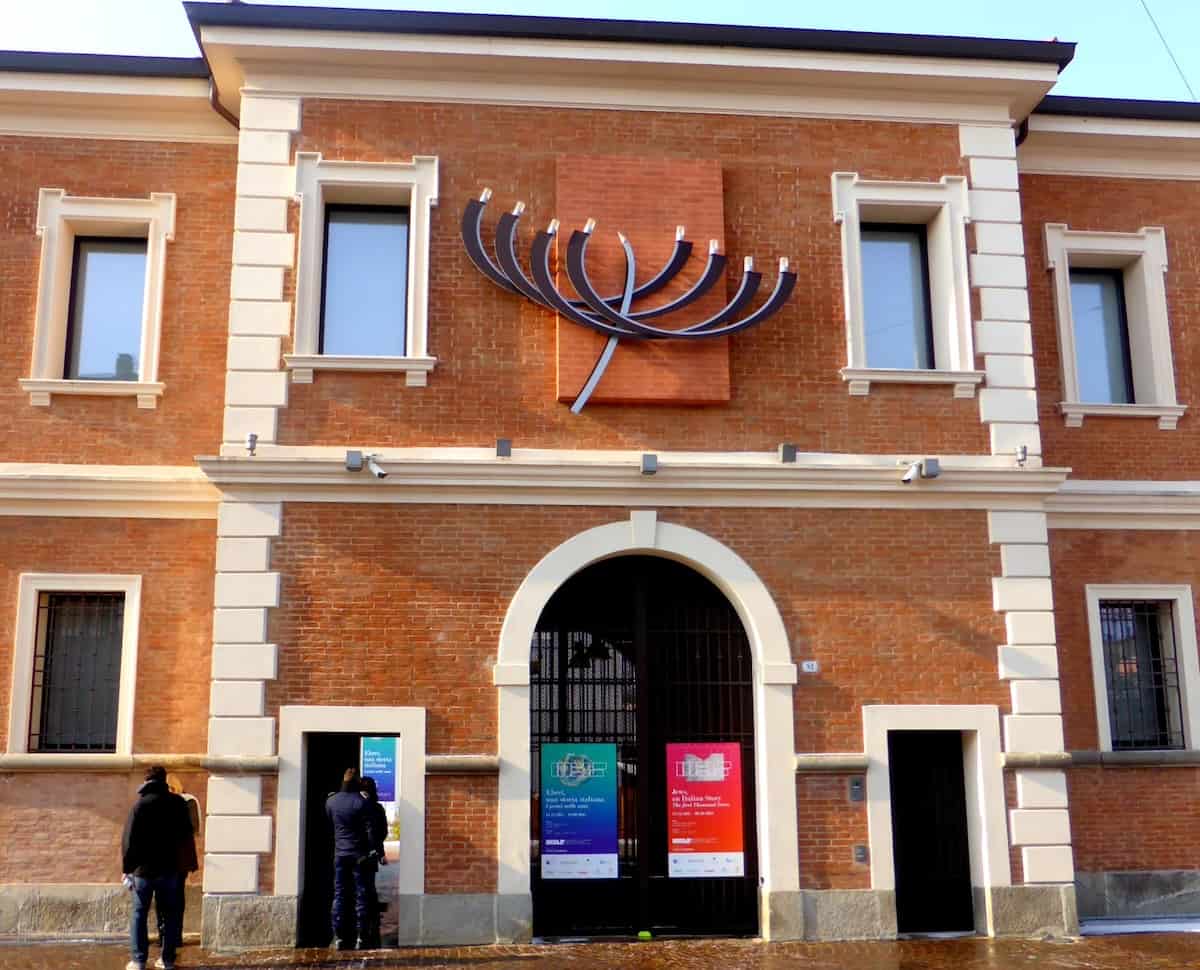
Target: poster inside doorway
x: 704, y: 810
x: 579, y: 811
x: 379, y: 758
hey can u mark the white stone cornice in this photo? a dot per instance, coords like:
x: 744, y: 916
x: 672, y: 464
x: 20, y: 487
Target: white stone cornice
x: 1096, y: 504
x: 110, y: 107
x: 476, y: 476
x: 124, y: 491
x: 621, y: 75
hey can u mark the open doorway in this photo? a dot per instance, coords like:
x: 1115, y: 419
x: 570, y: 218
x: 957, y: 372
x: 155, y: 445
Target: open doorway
x: 930, y: 838
x: 327, y: 755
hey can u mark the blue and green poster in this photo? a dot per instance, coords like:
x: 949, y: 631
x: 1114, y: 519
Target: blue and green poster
x: 579, y: 811
x: 378, y: 761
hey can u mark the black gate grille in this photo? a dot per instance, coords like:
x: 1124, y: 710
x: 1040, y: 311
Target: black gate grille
x: 641, y: 652
x: 76, y: 672
x: 1142, y: 670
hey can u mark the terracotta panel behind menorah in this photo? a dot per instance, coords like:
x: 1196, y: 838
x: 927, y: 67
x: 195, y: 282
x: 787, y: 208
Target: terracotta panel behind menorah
x: 645, y: 199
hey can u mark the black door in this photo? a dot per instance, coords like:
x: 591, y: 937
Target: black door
x: 641, y: 652
x: 929, y: 832
x: 326, y: 757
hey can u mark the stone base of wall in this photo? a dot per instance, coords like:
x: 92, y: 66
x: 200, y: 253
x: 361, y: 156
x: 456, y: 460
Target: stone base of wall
x: 1130, y: 895
x: 1039, y: 911
x: 79, y: 910
x: 237, y: 922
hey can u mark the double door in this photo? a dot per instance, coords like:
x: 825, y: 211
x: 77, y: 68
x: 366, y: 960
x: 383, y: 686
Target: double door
x: 641, y: 653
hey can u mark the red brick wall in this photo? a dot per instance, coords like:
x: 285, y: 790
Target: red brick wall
x: 830, y: 826
x: 1117, y: 447
x: 66, y: 828
x: 460, y: 834
x: 105, y: 430
x: 176, y: 560
x: 402, y: 605
x: 496, y: 371
x: 1121, y: 818
x: 1135, y: 818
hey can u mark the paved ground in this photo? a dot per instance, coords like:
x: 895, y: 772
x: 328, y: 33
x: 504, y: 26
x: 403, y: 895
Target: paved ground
x: 1142, y: 952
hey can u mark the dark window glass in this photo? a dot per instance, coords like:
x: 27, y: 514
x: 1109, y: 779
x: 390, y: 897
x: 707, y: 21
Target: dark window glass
x: 365, y: 291
x: 76, y: 672
x: 104, y: 330
x: 1142, y: 671
x: 899, y: 331
x: 1101, y: 337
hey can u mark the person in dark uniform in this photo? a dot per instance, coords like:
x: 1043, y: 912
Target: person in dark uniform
x: 353, y: 871
x: 370, y: 936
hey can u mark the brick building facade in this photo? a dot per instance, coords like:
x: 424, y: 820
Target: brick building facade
x: 1025, y: 596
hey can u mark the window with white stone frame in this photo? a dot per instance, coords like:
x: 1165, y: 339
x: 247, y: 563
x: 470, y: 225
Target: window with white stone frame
x: 98, y: 321
x: 74, y: 664
x: 1144, y: 666
x: 1114, y: 335
x: 362, y: 281
x: 905, y: 286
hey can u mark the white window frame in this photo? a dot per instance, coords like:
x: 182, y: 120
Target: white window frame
x: 943, y: 208
x: 30, y: 586
x: 319, y: 182
x: 60, y: 218
x: 1142, y: 258
x: 1183, y: 616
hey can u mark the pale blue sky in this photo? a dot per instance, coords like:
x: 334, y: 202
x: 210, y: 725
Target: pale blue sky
x: 1119, y: 53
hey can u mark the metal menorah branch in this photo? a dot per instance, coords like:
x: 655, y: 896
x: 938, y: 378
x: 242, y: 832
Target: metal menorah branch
x: 613, y: 315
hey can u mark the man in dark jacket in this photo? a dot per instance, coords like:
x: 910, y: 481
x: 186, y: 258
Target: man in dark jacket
x: 157, y: 848
x: 352, y: 864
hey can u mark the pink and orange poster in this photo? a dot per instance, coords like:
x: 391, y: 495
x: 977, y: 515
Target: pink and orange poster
x: 704, y: 810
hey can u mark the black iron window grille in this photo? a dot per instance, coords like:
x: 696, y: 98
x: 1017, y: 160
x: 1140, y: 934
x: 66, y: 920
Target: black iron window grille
x: 76, y: 672
x: 1141, y: 666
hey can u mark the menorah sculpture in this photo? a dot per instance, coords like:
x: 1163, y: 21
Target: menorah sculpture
x: 613, y: 315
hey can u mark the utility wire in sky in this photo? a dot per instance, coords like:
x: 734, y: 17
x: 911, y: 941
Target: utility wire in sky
x: 1170, y: 53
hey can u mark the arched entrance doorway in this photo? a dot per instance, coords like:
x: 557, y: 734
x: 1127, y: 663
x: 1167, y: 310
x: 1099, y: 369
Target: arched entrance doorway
x: 641, y: 665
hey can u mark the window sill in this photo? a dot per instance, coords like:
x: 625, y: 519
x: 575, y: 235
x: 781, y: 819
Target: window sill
x: 415, y: 369
x: 860, y: 379
x: 1168, y: 414
x: 41, y: 389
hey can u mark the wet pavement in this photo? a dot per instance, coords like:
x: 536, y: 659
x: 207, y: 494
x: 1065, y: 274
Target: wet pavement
x: 1157, y: 951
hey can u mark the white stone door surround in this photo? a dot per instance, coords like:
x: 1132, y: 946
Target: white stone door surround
x: 774, y: 680
x: 987, y: 833
x: 295, y: 722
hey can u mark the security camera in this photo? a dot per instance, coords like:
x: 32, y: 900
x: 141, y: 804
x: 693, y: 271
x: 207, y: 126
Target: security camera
x: 920, y: 468
x: 375, y: 468
x: 251, y: 443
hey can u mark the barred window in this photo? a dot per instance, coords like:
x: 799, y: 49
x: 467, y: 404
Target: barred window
x: 1142, y: 674
x: 76, y: 671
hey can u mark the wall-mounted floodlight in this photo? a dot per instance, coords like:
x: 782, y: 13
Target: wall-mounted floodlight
x: 787, y: 454
x: 354, y: 461
x: 504, y: 447
x: 649, y: 464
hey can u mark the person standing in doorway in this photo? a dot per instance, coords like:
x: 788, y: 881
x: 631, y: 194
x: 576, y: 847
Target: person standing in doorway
x: 377, y: 819
x: 348, y: 814
x: 157, y: 849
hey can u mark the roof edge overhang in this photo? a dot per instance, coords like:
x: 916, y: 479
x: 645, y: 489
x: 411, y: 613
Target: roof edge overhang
x: 109, y: 96
x: 1058, y: 53
x: 568, y: 62
x: 1111, y: 137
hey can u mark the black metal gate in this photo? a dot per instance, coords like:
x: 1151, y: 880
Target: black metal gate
x: 640, y: 652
